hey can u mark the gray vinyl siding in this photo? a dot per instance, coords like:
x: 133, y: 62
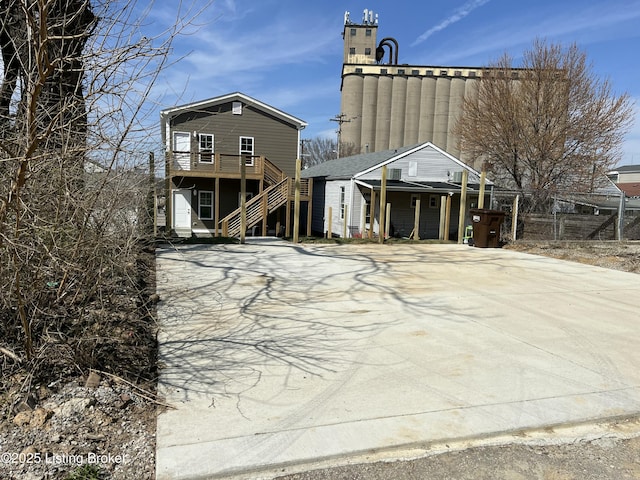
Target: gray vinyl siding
x: 274, y: 138
x: 318, y: 207
x: 432, y: 166
x: 332, y: 199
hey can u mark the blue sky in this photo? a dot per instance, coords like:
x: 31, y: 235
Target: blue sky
x: 289, y: 53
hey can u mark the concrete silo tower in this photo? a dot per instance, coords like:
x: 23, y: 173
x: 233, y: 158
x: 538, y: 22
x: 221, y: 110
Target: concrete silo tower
x: 387, y: 105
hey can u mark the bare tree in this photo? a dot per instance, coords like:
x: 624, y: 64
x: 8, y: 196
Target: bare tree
x: 78, y: 75
x: 547, y: 126
x: 320, y: 149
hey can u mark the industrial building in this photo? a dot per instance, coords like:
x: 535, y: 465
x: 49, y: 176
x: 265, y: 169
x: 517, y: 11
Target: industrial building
x: 387, y: 105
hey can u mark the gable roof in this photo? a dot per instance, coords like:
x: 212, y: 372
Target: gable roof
x: 631, y: 189
x: 347, y: 167
x: 627, y: 169
x: 356, y: 165
x: 231, y: 97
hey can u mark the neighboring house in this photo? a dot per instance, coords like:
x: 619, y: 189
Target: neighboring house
x: 627, y: 178
x: 422, y: 171
x: 206, y: 142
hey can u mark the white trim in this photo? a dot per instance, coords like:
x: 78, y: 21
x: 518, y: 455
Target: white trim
x: 416, y: 149
x: 253, y: 149
x: 392, y: 159
x: 200, y: 192
x: 230, y: 97
x: 201, y: 151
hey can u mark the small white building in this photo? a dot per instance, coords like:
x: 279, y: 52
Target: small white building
x: 422, y: 172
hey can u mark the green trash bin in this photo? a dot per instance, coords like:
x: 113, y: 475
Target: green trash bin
x: 486, y: 227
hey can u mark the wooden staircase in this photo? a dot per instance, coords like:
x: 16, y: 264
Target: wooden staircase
x: 257, y: 208
x: 277, y: 194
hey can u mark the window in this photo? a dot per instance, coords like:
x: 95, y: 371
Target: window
x: 367, y: 51
x: 383, y: 71
x: 205, y: 147
x: 358, y: 70
x: 401, y: 71
x: 246, y: 150
x: 353, y: 32
x: 413, y: 168
x: 352, y: 50
x: 433, y: 201
x: 414, y: 199
x: 236, y: 108
x: 205, y: 205
x: 415, y: 72
x: 367, y: 32
x: 342, y: 200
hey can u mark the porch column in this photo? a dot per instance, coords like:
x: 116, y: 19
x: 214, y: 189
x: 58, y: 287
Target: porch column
x: 216, y: 205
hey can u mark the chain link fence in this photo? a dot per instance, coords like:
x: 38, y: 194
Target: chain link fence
x: 570, y: 216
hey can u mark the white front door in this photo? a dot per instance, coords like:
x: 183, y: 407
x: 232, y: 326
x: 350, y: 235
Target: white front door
x: 181, y: 209
x: 182, y: 150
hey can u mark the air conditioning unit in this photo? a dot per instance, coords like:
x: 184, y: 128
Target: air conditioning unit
x: 395, y: 173
x: 456, y: 177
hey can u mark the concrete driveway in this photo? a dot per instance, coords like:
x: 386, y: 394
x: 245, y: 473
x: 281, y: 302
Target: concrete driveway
x: 277, y: 354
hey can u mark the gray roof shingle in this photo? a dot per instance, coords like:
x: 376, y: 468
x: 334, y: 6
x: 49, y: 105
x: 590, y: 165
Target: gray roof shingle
x: 347, y: 167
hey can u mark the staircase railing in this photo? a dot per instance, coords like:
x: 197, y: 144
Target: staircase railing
x: 257, y: 208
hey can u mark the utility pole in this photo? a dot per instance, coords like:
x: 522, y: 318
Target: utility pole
x: 340, y: 119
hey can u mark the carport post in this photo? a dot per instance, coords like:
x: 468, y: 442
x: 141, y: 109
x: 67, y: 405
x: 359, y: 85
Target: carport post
x: 363, y: 220
x: 463, y: 205
x: 383, y: 204
x: 329, y: 233
x: 387, y: 220
x: 483, y: 180
x: 372, y: 213
x: 416, y: 221
x: 296, y: 203
x: 620, y: 232
x: 447, y: 217
x: 443, y: 215
x: 514, y: 219
x: 243, y: 199
x: 345, y: 220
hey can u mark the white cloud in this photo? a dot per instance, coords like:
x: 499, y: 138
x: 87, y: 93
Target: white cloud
x: 457, y: 15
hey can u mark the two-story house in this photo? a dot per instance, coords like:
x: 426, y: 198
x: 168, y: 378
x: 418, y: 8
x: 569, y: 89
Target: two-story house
x: 208, y: 144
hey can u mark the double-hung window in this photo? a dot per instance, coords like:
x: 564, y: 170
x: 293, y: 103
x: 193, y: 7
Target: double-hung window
x: 205, y: 205
x: 246, y: 150
x: 206, y: 147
